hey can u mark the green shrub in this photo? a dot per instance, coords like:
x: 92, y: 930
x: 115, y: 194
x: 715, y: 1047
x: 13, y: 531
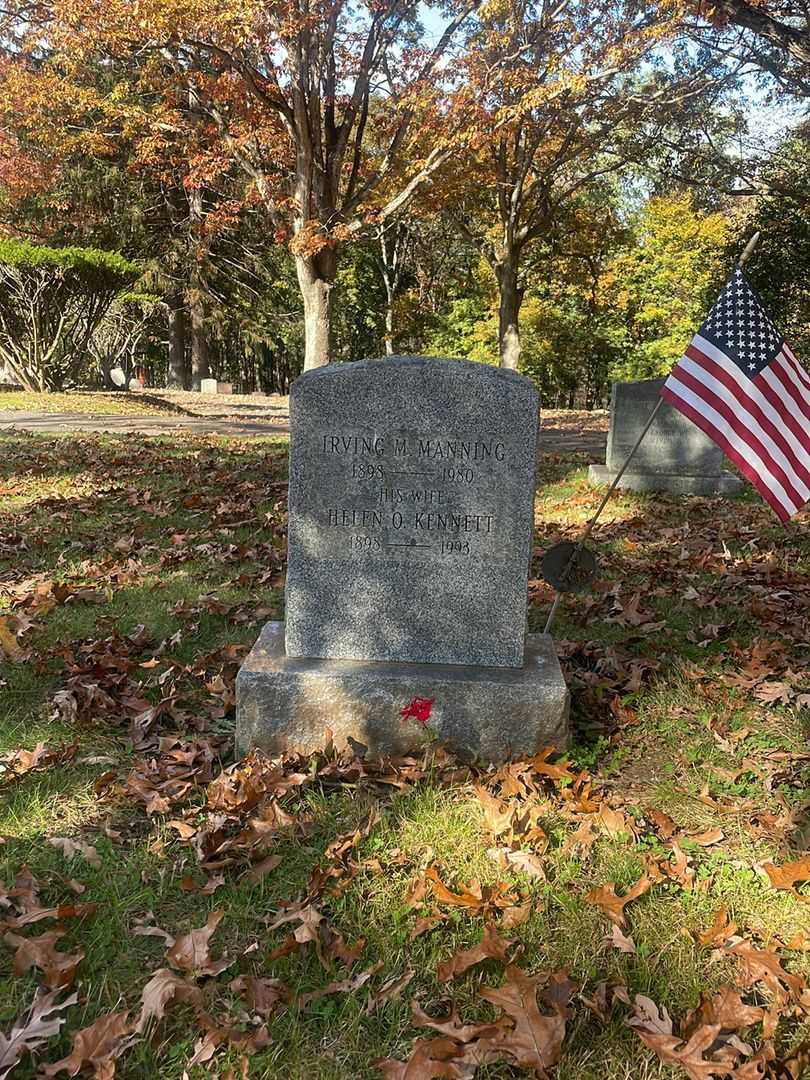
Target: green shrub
x: 51, y: 302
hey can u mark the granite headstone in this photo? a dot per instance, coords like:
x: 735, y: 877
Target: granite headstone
x: 409, y: 541
x: 674, y: 456
x: 411, y: 503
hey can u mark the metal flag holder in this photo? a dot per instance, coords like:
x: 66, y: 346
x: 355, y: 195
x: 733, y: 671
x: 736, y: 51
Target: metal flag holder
x: 570, y: 566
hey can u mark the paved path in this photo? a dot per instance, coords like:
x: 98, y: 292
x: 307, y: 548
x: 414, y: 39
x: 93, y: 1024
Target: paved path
x: 553, y: 440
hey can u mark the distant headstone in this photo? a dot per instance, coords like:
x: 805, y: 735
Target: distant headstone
x: 410, y: 532
x: 674, y: 456
x: 118, y: 377
x: 208, y: 386
x: 224, y: 388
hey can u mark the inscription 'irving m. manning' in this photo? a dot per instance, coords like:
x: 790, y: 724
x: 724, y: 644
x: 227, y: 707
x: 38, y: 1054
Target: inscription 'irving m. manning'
x: 432, y: 449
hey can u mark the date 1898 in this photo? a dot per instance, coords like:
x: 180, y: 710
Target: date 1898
x: 365, y: 543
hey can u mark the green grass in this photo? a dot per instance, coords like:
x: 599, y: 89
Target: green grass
x: 184, y: 538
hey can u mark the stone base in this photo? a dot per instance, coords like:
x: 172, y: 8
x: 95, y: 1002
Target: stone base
x: 287, y: 703
x: 724, y: 484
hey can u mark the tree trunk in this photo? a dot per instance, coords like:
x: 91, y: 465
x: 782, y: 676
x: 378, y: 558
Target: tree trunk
x: 510, y: 299
x: 316, y: 279
x: 176, y: 378
x: 389, y: 326
x: 196, y: 294
x: 199, y: 342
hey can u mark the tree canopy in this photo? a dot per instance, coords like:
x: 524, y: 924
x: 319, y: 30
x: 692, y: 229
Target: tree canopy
x: 552, y: 187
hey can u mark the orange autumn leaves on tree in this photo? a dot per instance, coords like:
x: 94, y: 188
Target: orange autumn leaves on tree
x: 333, y: 113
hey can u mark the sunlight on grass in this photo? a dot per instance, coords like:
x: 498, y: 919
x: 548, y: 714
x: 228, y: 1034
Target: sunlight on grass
x: 110, y: 404
x: 185, y: 537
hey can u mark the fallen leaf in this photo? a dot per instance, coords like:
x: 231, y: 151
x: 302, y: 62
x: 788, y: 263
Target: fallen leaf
x: 541, y: 764
x: 261, y: 869
x: 725, y: 1008
x: 165, y: 987
x: 516, y: 916
x: 97, y: 1046
x: 765, y: 966
x: 309, y: 928
x: 786, y: 875
x: 64, y: 911
x: 28, y: 1033
x: 612, y: 905
x: 605, y: 996
x: 662, y: 823
x: 647, y: 1015
x: 208, y: 888
x: 341, y: 986
x: 190, y: 952
x: 707, y: 838
x: 535, y: 1041
x: 613, y: 822
x: 618, y: 940
x: 474, y: 897
x: 719, y: 932
x: 58, y: 968
x: 8, y: 642
x: 389, y: 991
x: 491, y: 947
x: 263, y: 996
x: 679, y: 868
x: 424, y: 924
x: 71, y: 848
x: 431, y: 1058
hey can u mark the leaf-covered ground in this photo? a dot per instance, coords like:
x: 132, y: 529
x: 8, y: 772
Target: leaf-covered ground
x: 89, y: 403
x: 638, y: 909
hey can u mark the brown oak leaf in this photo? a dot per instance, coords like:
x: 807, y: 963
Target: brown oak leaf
x: 58, y: 968
x: 719, y: 932
x: 613, y: 906
x: 190, y: 952
x: 535, y: 1041
x: 786, y: 875
x: 263, y: 996
x: 39, y: 1024
x: 97, y: 1046
x: 163, y: 988
x: 491, y: 947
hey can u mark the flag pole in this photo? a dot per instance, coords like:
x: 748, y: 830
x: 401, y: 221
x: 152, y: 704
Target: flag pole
x: 743, y: 259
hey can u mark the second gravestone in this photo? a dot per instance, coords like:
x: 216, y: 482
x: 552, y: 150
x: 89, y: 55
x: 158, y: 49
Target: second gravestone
x: 674, y: 455
x: 410, y: 533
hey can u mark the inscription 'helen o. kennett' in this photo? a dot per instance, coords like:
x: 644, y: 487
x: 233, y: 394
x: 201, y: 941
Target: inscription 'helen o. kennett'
x: 411, y: 495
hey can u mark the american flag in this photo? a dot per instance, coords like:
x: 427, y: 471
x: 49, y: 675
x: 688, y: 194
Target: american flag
x: 740, y: 383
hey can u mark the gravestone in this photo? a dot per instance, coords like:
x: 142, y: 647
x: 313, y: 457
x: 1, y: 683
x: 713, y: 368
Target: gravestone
x: 674, y: 456
x: 208, y: 386
x: 409, y: 540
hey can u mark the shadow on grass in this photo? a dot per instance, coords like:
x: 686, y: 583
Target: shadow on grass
x: 718, y: 576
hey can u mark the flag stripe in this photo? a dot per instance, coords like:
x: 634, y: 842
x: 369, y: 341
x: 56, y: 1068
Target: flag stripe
x: 744, y: 455
x: 671, y: 394
x: 764, y: 418
x: 780, y: 367
x: 805, y: 378
x: 790, y: 411
x: 747, y: 432
x: 786, y: 409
